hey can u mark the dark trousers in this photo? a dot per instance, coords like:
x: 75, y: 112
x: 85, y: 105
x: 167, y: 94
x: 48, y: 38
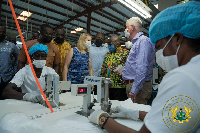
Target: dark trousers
x: 115, y: 93
x: 2, y: 86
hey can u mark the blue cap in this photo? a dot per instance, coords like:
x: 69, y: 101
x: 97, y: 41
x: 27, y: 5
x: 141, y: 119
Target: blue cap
x: 38, y: 47
x: 183, y: 18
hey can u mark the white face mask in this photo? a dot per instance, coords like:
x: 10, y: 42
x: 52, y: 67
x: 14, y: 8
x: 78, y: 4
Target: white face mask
x: 39, y: 63
x: 127, y: 34
x: 167, y: 62
x: 128, y: 45
x: 105, y: 45
x: 87, y: 44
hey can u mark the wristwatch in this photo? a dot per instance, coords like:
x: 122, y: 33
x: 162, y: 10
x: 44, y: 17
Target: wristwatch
x: 102, y: 120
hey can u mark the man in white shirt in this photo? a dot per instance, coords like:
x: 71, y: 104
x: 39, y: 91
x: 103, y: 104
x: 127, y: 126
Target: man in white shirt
x: 23, y: 85
x: 176, y: 108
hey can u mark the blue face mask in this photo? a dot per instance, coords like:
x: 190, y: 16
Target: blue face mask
x: 111, y: 48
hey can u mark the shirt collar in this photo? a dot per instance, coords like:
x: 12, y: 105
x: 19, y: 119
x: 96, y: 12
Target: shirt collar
x: 137, y: 36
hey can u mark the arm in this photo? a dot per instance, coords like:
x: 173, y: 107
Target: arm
x: 57, y: 59
x: 56, y: 67
x: 12, y: 92
x: 103, y: 72
x: 112, y: 126
x: 90, y: 67
x: 15, y: 54
x: 68, y: 59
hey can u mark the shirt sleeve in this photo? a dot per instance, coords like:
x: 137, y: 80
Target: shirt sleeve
x: 15, y: 54
x: 174, y: 92
x: 18, y: 79
x: 103, y: 72
x: 144, y: 49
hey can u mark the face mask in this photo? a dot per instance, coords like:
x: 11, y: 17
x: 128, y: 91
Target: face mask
x: 98, y: 42
x: 59, y: 40
x: 128, y: 45
x: 167, y: 62
x: 87, y: 44
x: 2, y: 37
x: 111, y: 48
x: 39, y: 63
x: 46, y: 39
x: 127, y: 34
x: 105, y: 45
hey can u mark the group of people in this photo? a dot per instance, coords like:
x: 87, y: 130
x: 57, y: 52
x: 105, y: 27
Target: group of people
x: 104, y: 58
x: 174, y: 33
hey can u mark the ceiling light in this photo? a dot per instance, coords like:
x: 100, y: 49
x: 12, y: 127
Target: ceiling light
x: 133, y: 6
x: 79, y: 29
x: 73, y: 32
x: 24, y: 15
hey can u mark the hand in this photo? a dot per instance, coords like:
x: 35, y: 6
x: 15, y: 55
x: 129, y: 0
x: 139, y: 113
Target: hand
x: 34, y: 96
x: 92, y: 87
x: 121, y: 112
x: 133, y: 96
x: 95, y: 116
x: 119, y: 69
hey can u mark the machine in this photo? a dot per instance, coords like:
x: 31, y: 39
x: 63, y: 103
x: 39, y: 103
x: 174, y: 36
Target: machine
x: 53, y: 88
x: 85, y: 91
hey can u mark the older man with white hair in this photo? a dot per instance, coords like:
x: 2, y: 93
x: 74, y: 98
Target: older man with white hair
x: 138, y: 68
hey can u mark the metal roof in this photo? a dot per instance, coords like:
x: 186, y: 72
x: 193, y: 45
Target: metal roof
x: 106, y: 16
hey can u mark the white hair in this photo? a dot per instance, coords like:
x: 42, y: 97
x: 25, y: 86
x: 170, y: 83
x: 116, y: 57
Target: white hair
x: 136, y: 22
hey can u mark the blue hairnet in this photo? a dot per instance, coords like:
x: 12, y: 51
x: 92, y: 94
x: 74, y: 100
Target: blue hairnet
x: 38, y: 47
x: 183, y: 18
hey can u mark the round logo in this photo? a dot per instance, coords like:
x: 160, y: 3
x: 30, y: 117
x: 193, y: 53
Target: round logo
x: 181, y: 113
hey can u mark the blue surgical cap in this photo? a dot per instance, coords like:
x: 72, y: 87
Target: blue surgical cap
x: 183, y: 18
x: 38, y: 47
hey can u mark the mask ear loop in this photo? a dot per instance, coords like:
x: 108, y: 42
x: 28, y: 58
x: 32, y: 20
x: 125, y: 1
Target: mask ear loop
x: 168, y: 41
x: 178, y: 49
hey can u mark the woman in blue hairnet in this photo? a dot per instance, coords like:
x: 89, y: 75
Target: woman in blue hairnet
x: 176, y: 108
x: 23, y: 85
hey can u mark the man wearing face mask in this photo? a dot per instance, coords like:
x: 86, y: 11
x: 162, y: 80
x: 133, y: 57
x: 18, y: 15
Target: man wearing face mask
x: 98, y: 52
x: 8, y: 60
x: 63, y: 47
x: 53, y: 56
x: 113, y: 61
x: 23, y: 85
x: 35, y: 35
x: 176, y: 106
x: 138, y: 68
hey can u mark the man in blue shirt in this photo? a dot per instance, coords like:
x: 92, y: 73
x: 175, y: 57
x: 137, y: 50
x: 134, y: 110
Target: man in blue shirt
x: 98, y: 52
x: 8, y: 60
x: 138, y: 68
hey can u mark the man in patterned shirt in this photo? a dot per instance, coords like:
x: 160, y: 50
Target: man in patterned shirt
x: 63, y: 47
x: 113, y: 59
x: 138, y: 68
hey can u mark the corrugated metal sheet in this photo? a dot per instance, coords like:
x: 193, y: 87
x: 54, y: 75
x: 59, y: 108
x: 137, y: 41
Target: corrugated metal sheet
x: 111, y: 20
